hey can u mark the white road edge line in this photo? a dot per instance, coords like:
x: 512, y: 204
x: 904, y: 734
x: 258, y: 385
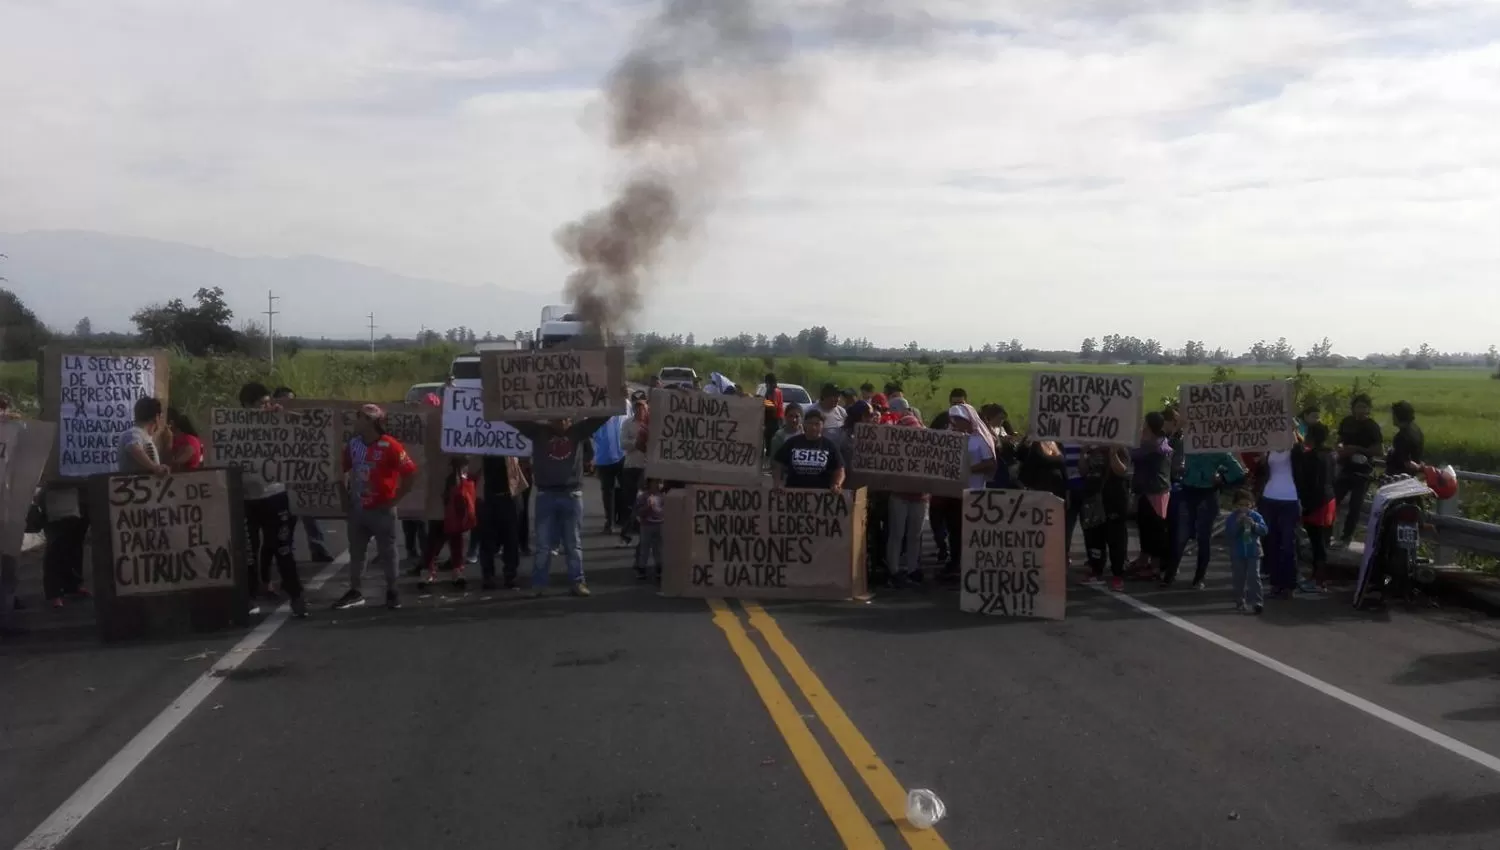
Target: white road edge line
x: 72, y: 812
x: 1406, y: 724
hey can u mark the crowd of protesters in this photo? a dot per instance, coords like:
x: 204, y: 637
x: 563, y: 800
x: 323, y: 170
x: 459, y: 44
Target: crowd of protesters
x: 506, y: 508
x: 1173, y: 498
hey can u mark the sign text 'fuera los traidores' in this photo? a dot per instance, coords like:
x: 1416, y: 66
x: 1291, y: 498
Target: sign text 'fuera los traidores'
x: 1237, y: 416
x: 1086, y: 408
x: 170, y: 534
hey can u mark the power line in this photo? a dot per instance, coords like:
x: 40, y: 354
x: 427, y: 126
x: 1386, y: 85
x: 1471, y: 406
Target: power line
x: 271, y: 314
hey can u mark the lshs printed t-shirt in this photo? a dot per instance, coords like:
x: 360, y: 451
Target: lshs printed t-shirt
x: 809, y: 463
x: 377, y: 470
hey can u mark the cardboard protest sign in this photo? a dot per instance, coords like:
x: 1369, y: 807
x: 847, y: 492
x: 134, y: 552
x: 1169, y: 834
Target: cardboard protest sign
x: 909, y: 460
x: 297, y: 448
x: 25, y: 448
x: 764, y: 544
x: 418, y: 428
x: 92, y: 395
x: 467, y: 432
x: 169, y: 553
x: 713, y: 439
x: 1014, y: 561
x: 1237, y: 416
x: 565, y: 383
x: 1087, y: 408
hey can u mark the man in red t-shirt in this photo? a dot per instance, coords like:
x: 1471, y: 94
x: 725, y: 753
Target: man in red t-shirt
x: 378, y: 473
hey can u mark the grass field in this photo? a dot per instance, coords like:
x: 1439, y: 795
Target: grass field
x: 1459, y: 409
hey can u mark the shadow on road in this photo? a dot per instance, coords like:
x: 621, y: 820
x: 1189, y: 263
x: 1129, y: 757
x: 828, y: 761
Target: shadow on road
x: 1443, y: 815
x: 1445, y: 668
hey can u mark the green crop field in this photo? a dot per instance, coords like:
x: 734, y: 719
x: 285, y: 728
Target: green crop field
x: 1458, y: 409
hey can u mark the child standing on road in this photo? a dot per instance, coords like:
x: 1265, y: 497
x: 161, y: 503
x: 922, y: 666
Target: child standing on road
x: 460, y: 515
x: 1243, y: 529
x: 650, y: 507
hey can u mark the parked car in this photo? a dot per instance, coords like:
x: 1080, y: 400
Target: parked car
x: 419, y: 392
x: 790, y: 394
x: 672, y: 377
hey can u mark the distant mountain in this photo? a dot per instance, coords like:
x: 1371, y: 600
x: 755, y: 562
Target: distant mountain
x: 64, y: 275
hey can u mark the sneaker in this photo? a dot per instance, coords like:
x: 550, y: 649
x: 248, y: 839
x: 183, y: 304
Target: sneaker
x: 641, y: 575
x: 1091, y: 580
x: 299, y: 608
x: 352, y: 599
x: 580, y: 588
x: 509, y: 584
x: 472, y: 559
x: 392, y: 600
x: 55, y: 602
x: 254, y: 610
x: 609, y: 528
x: 1117, y: 584
x: 1239, y: 607
x: 81, y: 592
x: 1199, y: 585
x: 1308, y: 587
x: 460, y: 583
x: 1259, y: 609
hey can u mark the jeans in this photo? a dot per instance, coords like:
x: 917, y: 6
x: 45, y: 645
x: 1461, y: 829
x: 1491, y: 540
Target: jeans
x: 1355, y: 489
x: 10, y: 579
x: 1200, y: 507
x: 314, y: 532
x: 523, y: 531
x: 499, y: 533
x: 1318, y: 537
x: 414, y: 530
x: 648, y: 550
x: 558, y: 517
x: 609, y: 491
x: 1244, y: 577
x: 270, y: 526
x: 630, y: 488
x: 1109, y: 539
x: 1283, y: 516
x: 378, y: 524
x: 877, y: 513
x: 1074, y: 509
x: 62, y: 560
x: 1152, y: 530
x: 904, y: 527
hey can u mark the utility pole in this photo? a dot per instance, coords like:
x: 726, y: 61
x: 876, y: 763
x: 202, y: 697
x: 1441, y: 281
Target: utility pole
x: 372, y: 334
x: 271, y: 313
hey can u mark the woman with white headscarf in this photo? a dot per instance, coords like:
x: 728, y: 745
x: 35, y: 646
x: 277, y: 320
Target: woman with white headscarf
x: 719, y: 385
x: 964, y: 419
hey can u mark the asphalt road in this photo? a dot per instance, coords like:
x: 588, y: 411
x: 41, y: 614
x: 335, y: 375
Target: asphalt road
x: 630, y: 721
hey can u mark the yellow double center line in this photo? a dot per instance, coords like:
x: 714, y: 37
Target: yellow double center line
x: 848, y: 820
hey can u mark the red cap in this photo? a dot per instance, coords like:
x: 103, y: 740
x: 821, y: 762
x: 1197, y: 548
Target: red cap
x: 880, y: 401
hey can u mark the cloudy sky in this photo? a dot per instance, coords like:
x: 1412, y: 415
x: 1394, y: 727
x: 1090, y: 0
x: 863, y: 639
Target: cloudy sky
x: 1224, y: 171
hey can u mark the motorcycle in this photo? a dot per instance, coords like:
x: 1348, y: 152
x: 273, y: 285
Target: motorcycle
x: 1391, y: 567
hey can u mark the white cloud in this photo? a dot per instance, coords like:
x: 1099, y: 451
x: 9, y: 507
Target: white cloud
x: 1214, y: 170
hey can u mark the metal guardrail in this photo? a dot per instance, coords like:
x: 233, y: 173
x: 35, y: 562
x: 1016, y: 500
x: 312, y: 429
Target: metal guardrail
x: 1456, y: 532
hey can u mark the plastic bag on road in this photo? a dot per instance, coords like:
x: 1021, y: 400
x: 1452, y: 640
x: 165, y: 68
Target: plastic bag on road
x: 923, y: 808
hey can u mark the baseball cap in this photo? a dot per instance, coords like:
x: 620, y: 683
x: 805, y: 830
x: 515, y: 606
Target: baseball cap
x: 371, y: 411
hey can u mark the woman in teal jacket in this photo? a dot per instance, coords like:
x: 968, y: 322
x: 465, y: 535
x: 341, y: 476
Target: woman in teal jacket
x: 1202, y: 478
